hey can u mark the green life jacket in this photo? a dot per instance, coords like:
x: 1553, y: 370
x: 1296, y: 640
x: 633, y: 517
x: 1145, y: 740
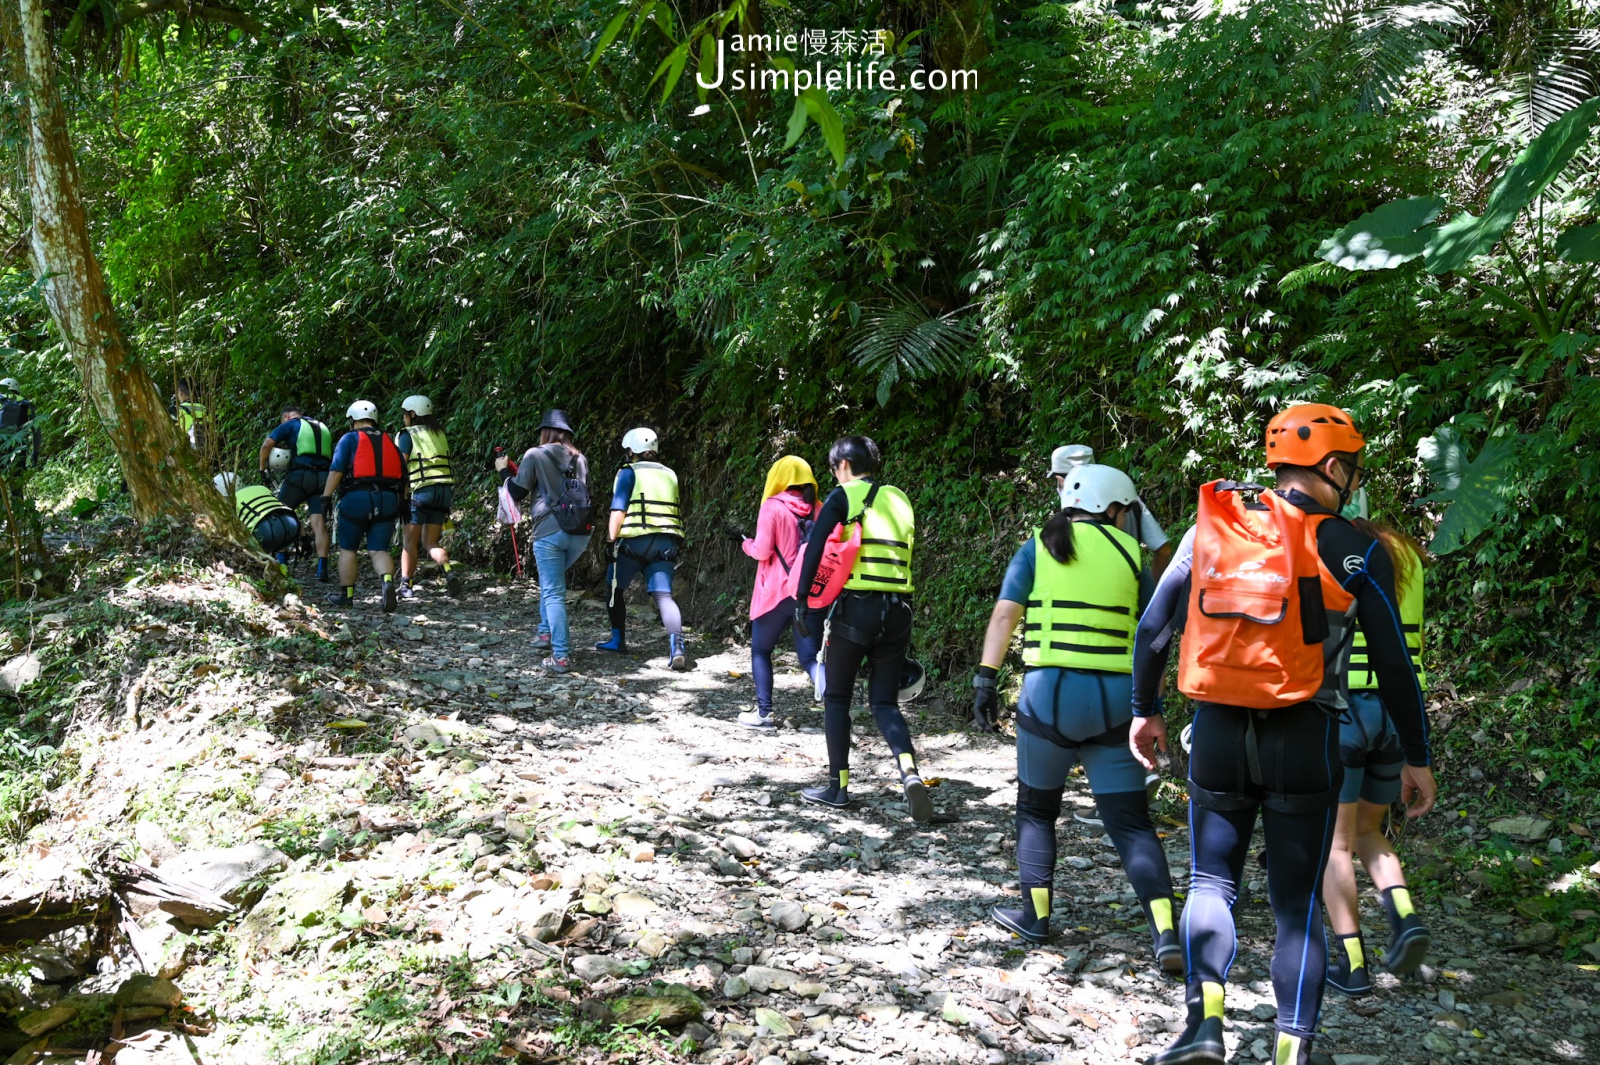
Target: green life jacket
x: 428, y: 462
x: 653, y: 508
x: 1082, y: 615
x: 1362, y: 677
x: 313, y: 441
x: 256, y: 504
x: 190, y: 415
x: 888, y: 530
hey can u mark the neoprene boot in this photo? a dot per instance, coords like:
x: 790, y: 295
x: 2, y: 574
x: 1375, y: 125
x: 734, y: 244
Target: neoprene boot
x: 834, y: 794
x: 917, y: 799
x: 1200, y: 1043
x: 281, y: 558
x: 452, y: 579
x: 322, y: 570
x: 391, y: 596
x: 1409, y: 947
x: 1164, y: 935
x: 676, y: 659
x: 345, y: 597
x: 1031, y: 920
x: 616, y: 645
x: 1294, y: 1049
x: 1347, y: 966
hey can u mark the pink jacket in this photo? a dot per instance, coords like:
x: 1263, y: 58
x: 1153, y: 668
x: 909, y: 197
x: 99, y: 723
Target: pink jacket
x: 777, y: 536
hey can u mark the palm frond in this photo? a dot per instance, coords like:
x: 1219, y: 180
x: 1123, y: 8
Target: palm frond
x: 901, y: 339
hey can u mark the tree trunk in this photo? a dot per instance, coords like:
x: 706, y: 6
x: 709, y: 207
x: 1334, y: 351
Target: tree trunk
x: 161, y: 470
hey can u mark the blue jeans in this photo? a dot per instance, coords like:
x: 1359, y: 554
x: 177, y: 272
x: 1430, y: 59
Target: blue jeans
x: 553, y: 555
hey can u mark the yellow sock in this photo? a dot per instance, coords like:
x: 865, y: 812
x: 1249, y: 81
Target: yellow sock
x: 908, y: 763
x: 1402, y: 902
x: 1211, y: 995
x: 1288, y: 1052
x: 1041, y: 901
x: 844, y: 778
x: 1161, y: 914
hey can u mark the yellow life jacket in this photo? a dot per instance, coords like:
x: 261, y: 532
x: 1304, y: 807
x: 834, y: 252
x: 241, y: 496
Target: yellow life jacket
x: 653, y: 507
x: 888, y: 530
x: 256, y: 504
x: 1362, y: 677
x: 428, y: 462
x: 1082, y: 615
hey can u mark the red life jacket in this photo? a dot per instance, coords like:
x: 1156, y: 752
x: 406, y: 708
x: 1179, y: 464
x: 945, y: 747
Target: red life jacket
x: 377, y: 462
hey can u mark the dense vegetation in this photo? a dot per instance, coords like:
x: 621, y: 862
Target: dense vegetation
x: 1112, y: 240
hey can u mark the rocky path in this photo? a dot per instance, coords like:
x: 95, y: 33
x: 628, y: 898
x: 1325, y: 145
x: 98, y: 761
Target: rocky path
x: 613, y: 841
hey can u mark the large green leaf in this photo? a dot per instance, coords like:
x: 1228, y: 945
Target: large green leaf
x: 1383, y: 238
x: 1467, y: 236
x: 1580, y: 245
x: 1476, y: 489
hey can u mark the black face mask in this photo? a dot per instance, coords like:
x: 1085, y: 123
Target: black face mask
x: 1348, y: 488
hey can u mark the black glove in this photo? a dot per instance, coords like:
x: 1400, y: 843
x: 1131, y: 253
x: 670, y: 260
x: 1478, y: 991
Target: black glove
x: 733, y: 532
x: 985, y: 699
x: 802, y: 620
x: 268, y: 480
x: 611, y: 552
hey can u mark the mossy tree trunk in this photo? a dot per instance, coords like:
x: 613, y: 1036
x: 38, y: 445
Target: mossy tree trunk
x: 163, y: 474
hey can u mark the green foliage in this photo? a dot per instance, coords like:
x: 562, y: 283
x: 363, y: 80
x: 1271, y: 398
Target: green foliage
x: 1476, y: 487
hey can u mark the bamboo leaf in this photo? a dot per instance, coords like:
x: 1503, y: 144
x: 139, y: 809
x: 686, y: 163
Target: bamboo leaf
x: 822, y: 112
x: 797, y: 124
x: 608, y: 35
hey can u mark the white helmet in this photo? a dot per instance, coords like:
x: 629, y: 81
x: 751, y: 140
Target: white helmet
x: 639, y: 440
x: 225, y: 482
x: 1092, y: 488
x: 1069, y: 457
x: 278, y: 461
x: 421, y: 406
x: 362, y: 410
x: 913, y: 678
x: 10, y: 384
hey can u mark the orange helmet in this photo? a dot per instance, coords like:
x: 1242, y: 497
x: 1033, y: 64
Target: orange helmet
x: 1306, y: 433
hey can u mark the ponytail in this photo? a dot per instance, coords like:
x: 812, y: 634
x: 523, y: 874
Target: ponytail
x: 1405, y: 553
x: 1057, y: 537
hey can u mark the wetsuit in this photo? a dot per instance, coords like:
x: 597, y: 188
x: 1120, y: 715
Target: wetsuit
x: 308, y: 469
x: 655, y: 554
x: 1072, y: 714
x: 1296, y: 761
x: 866, y: 625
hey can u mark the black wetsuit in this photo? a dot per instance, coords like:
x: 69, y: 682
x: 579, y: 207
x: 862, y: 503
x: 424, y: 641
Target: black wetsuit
x: 1296, y: 788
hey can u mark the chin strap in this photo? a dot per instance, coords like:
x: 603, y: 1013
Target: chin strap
x: 1345, y: 491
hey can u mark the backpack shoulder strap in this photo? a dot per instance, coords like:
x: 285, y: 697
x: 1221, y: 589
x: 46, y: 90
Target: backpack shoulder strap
x: 1112, y: 540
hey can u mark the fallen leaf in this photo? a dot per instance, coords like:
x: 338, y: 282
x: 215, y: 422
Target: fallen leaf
x: 348, y: 723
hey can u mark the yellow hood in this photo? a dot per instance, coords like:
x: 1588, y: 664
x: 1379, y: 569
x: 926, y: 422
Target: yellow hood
x: 788, y: 472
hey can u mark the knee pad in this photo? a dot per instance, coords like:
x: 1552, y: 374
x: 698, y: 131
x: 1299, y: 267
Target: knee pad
x: 1128, y: 811
x: 1039, y: 804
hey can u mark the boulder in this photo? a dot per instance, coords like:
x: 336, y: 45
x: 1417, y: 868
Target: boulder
x: 667, y: 1005
x: 291, y: 907
x: 231, y: 872
x: 1528, y: 829
x: 142, y: 990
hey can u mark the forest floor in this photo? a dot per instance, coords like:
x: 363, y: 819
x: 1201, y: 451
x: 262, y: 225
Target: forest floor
x: 459, y: 858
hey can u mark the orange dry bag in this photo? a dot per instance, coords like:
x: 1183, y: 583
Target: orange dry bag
x: 1258, y: 601
x: 839, y: 555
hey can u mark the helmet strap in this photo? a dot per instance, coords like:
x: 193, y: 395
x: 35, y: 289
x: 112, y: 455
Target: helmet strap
x: 1344, y: 491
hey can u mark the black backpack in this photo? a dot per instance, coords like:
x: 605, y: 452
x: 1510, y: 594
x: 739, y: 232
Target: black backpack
x: 572, y: 509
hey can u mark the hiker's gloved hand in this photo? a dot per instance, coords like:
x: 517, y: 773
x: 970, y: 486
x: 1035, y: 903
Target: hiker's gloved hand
x: 986, y: 699
x: 802, y: 620
x: 268, y: 481
x: 611, y: 552
x: 733, y: 532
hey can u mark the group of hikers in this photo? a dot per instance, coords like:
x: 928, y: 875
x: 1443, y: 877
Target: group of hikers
x: 1297, y: 619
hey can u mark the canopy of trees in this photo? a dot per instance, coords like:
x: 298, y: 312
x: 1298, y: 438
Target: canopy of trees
x: 1143, y: 230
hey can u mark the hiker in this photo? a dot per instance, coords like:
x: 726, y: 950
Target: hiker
x: 18, y: 427
x: 869, y: 622
x: 272, y: 524
x: 1077, y: 587
x: 429, y: 486
x: 788, y: 512
x: 645, y: 535
x: 310, y: 447
x: 1266, y: 591
x: 366, y: 474
x: 1370, y: 749
x: 193, y: 420
x: 556, y: 474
